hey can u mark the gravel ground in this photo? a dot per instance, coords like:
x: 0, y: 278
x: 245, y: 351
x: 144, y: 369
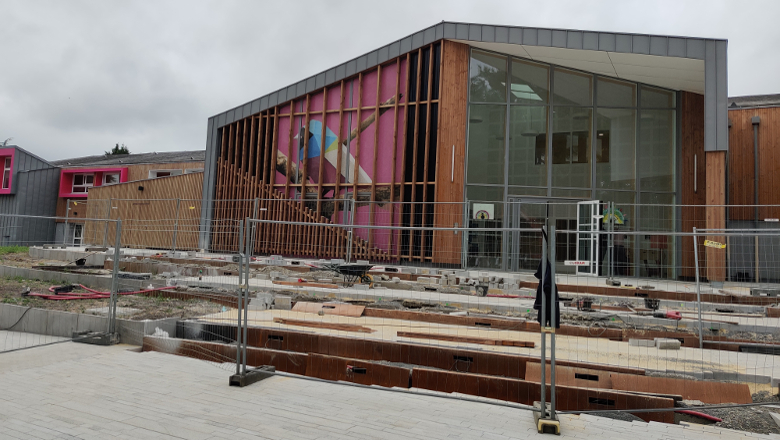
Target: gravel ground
x: 751, y: 418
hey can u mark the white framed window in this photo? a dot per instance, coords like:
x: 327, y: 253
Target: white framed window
x: 78, y: 235
x: 110, y: 178
x: 82, y: 182
x: 193, y: 170
x: 153, y: 174
x: 7, y: 173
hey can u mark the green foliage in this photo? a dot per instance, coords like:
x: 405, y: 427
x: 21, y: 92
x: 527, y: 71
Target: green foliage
x: 118, y: 150
x: 13, y: 250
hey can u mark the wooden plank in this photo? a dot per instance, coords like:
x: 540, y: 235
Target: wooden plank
x: 329, y: 308
x: 428, y: 111
x: 466, y: 339
x: 705, y: 391
x: 716, y: 213
x: 692, y: 155
x: 307, y: 284
x: 391, y: 234
x: 372, y: 207
x: 325, y: 325
x: 356, y: 170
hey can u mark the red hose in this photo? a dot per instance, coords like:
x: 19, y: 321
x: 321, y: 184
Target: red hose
x: 94, y: 294
x: 700, y: 415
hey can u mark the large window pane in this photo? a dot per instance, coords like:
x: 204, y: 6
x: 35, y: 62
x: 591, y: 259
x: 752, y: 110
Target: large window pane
x: 571, y: 147
x: 656, y: 252
x: 614, y: 93
x: 487, y: 76
x: 615, y: 148
x: 657, y: 98
x: 530, y: 83
x: 486, y: 210
x: 522, y: 191
x: 572, y: 88
x: 656, y: 150
x: 528, y: 146
x: 486, y: 144
x: 618, y: 259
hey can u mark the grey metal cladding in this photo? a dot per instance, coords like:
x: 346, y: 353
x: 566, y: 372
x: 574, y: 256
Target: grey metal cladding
x: 530, y: 37
x: 502, y: 34
x: 590, y: 40
x: 574, y: 40
x: 282, y: 94
x: 300, y: 88
x: 417, y: 40
x: 256, y: 106
x: 710, y: 98
x: 361, y: 63
x: 319, y: 81
x: 623, y: 43
x: 544, y: 37
x: 341, y: 71
x: 676, y: 47
x: 222, y: 120
x: 558, y: 38
x: 406, y: 45
x: 429, y: 35
x: 264, y: 103
x: 641, y: 44
x: 311, y: 84
x: 351, y: 67
x: 383, y: 54
x: 273, y: 99
x: 247, y: 109
x: 722, y: 95
x: 230, y: 116
x: 330, y: 76
x: 516, y: 35
x: 659, y: 46
x: 394, y: 49
x: 607, y: 42
x: 292, y: 92
x: 450, y: 30
x: 439, y: 34
x: 695, y: 48
x: 488, y: 34
x: 461, y: 31
x: 475, y: 32
x: 372, y: 59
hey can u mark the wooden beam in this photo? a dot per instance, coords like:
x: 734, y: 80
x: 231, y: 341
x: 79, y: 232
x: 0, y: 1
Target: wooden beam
x: 716, y: 213
x: 466, y: 339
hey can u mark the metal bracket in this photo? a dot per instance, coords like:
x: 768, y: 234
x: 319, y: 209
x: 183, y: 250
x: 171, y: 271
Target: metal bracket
x: 547, y: 424
x: 252, y: 376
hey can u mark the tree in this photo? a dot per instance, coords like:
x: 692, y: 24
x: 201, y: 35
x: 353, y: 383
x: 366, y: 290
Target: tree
x: 118, y: 150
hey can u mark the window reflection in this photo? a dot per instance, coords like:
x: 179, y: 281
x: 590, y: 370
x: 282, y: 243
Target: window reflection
x: 487, y: 76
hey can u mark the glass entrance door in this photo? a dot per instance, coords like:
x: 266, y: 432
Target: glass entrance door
x: 588, y: 238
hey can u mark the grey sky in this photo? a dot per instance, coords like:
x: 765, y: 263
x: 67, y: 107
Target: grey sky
x: 79, y: 76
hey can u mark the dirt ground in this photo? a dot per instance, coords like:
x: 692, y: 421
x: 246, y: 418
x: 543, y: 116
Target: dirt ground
x: 148, y: 307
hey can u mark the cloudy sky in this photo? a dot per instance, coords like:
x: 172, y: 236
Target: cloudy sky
x: 80, y: 76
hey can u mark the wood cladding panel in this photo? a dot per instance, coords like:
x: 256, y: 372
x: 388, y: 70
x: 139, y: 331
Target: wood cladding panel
x: 741, y: 160
x: 150, y: 217
x: 716, y: 213
x: 451, y: 153
x: 692, y: 157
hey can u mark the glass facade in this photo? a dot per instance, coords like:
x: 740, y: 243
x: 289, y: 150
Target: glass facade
x: 541, y: 130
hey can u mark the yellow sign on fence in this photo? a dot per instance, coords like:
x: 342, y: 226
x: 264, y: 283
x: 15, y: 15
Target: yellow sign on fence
x: 714, y: 244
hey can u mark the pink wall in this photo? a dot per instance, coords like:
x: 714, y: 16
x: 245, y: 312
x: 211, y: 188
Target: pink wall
x: 66, y: 179
x: 7, y: 152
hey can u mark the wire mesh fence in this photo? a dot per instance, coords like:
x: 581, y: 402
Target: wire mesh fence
x: 654, y: 316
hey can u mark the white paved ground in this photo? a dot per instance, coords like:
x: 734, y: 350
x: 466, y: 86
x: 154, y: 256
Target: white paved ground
x: 80, y: 391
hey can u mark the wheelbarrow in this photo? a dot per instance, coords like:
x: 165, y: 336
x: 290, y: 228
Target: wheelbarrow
x: 352, y: 272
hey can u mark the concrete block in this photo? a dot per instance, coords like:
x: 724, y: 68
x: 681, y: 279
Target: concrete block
x: 260, y: 276
x: 283, y: 303
x: 775, y: 382
x: 360, y: 287
x: 263, y: 301
x: 130, y: 332
x: 366, y: 262
x: 135, y: 276
x: 396, y: 280
x: 641, y: 343
x: 667, y: 344
x: 34, y: 321
x: 9, y: 315
x: 92, y: 323
x: 62, y: 323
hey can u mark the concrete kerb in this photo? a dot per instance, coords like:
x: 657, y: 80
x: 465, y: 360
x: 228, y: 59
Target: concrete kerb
x: 63, y: 324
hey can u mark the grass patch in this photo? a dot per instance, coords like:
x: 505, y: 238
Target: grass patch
x: 5, y: 250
